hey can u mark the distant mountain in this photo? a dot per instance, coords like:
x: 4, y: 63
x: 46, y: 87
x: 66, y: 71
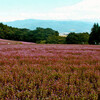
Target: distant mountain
x: 61, y: 26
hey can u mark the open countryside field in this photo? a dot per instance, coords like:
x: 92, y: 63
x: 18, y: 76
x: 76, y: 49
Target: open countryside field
x: 49, y: 72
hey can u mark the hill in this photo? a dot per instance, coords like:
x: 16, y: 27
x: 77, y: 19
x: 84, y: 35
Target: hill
x: 61, y: 26
x: 5, y: 42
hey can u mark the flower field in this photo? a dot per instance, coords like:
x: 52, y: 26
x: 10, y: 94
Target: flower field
x: 49, y: 72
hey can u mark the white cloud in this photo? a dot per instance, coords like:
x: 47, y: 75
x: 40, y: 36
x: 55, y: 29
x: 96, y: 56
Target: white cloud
x: 84, y: 10
x: 87, y: 9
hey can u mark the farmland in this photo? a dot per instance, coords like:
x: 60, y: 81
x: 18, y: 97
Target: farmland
x: 49, y: 72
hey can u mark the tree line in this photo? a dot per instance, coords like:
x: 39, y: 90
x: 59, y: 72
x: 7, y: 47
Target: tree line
x: 39, y: 35
x: 85, y: 38
x: 49, y: 36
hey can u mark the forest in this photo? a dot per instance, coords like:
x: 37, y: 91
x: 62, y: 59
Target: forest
x: 49, y: 36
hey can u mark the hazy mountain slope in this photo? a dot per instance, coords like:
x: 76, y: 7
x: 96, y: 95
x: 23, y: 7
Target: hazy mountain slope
x: 61, y: 26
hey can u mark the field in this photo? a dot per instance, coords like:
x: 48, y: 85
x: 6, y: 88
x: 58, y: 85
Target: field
x: 49, y: 72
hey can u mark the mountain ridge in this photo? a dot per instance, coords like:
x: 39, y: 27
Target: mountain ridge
x: 62, y: 26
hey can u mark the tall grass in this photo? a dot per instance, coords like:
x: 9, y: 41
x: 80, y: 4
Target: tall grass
x: 49, y: 72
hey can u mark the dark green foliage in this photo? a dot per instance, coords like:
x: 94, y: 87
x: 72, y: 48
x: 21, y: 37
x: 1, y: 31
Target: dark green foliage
x: 40, y: 35
x: 72, y: 38
x: 95, y: 34
x: 83, y: 38
x: 61, y: 40
x: 77, y: 38
x: 49, y: 36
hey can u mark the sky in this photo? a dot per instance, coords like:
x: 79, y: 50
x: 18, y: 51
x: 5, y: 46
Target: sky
x: 86, y: 10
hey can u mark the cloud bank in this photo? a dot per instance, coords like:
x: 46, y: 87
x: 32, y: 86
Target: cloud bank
x: 85, y: 10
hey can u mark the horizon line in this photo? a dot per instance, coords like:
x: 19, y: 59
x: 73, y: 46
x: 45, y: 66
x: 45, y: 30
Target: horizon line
x: 82, y: 20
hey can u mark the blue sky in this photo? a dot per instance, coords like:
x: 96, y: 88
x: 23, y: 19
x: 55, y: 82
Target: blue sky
x: 49, y: 9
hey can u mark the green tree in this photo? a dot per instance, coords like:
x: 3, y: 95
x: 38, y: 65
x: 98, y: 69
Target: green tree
x: 72, y: 38
x: 40, y: 35
x: 52, y: 39
x: 83, y: 38
x: 77, y: 38
x: 95, y: 35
